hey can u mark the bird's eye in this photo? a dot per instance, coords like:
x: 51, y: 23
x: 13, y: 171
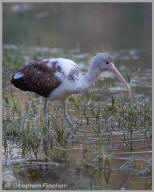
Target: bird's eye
x: 107, y: 62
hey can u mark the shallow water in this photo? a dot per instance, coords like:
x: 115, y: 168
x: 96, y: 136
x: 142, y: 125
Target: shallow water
x: 104, y: 153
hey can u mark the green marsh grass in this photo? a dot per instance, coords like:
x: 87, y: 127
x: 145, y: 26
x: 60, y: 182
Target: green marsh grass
x: 123, y: 117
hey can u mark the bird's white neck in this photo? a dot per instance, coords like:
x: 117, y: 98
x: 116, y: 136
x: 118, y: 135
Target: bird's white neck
x: 88, y: 80
x: 92, y: 75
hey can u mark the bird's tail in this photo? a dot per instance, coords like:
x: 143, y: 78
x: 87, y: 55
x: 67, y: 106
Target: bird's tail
x: 18, y: 83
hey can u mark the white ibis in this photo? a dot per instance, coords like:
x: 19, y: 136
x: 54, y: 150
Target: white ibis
x: 57, y: 78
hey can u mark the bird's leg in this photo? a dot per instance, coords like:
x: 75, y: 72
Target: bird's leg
x: 45, y: 110
x: 65, y: 112
x: 46, y: 130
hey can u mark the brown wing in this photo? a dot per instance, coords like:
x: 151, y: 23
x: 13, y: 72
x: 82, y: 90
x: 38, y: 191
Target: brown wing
x: 37, y: 77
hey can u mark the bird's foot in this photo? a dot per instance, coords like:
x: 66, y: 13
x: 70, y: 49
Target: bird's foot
x: 69, y: 122
x: 72, y: 126
x: 70, y: 130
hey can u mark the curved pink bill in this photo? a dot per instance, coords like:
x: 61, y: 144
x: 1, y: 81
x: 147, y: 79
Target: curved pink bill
x: 111, y: 67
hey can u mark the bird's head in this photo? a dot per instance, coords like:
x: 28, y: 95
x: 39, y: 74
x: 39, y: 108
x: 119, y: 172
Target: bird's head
x: 104, y: 61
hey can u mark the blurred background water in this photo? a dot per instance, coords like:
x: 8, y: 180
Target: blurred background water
x: 88, y: 26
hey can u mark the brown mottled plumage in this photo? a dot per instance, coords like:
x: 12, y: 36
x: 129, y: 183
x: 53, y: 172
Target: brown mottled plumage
x: 38, y: 77
x: 73, y: 73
